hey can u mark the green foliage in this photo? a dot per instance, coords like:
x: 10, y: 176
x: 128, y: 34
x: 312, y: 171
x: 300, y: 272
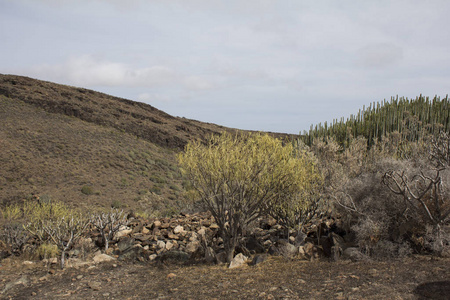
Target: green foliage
x: 47, y: 250
x: 298, y: 208
x: 87, y: 190
x: 116, y: 204
x: 238, y: 177
x: 11, y: 212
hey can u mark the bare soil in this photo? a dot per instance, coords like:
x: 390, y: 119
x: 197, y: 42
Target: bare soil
x: 418, y: 277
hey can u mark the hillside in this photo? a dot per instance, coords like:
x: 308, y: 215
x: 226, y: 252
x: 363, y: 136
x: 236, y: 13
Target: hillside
x: 90, y: 149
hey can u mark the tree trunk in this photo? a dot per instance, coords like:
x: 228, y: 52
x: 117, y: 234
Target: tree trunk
x: 105, y: 240
x: 63, y: 256
x: 230, y: 245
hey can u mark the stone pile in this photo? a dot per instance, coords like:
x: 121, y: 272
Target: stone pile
x: 197, y: 237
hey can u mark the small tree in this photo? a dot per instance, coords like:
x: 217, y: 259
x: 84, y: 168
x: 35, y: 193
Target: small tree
x: 109, y: 223
x: 64, y: 232
x: 237, y: 177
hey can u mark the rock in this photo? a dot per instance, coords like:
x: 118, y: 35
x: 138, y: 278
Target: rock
x: 173, y: 236
x: 137, y: 252
x: 161, y: 245
x: 309, y: 249
x: 339, y: 246
x: 102, y: 258
x: 125, y: 244
x: 214, y: 226
x: 353, y: 254
x: 273, y: 250
x: 137, y: 227
x: 192, y: 247
x: 169, y: 245
x: 178, y: 229
x: 252, y: 244
x: 156, y: 224
x: 193, y: 237
x: 165, y: 225
x: 143, y: 237
x: 300, y: 239
x: 286, y: 249
x: 258, y: 259
x: 51, y: 261
x: 174, y: 256
x: 145, y: 230
x: 153, y: 257
x: 238, y: 261
x: 171, y: 276
x: 201, y: 231
x: 123, y: 232
x: 95, y: 285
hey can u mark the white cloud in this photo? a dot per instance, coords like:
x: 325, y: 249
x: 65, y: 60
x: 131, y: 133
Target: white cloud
x: 88, y: 71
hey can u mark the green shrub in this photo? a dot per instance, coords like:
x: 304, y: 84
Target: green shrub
x: 157, y: 179
x: 87, y: 190
x: 47, y: 250
x: 116, y: 204
x: 11, y: 212
x: 156, y: 189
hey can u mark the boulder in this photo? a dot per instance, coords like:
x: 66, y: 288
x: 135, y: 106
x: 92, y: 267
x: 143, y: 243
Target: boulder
x: 169, y: 245
x: 124, y: 231
x: 238, y: 261
x: 300, y: 239
x: 156, y: 224
x: 258, y: 259
x: 286, y: 249
x: 137, y: 252
x: 353, y: 254
x: 161, y: 244
x: 125, y: 243
x: 101, y: 257
x: 178, y: 229
x: 192, y: 246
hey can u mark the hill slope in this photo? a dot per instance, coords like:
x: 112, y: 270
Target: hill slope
x: 136, y: 118
x: 89, y: 149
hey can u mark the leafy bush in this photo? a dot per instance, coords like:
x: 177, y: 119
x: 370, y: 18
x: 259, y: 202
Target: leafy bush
x: 240, y: 177
x: 47, y: 250
x: 87, y: 190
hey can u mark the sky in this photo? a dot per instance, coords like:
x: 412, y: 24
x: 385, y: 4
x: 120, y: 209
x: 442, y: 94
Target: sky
x: 268, y: 65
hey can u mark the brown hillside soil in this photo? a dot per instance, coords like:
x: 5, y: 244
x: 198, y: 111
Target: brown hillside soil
x: 276, y: 278
x: 56, y: 156
x: 56, y: 140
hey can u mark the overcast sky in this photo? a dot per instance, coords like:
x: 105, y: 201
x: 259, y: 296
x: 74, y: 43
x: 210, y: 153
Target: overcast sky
x: 271, y: 65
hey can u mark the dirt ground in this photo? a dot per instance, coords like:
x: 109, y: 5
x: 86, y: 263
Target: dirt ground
x: 419, y: 277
